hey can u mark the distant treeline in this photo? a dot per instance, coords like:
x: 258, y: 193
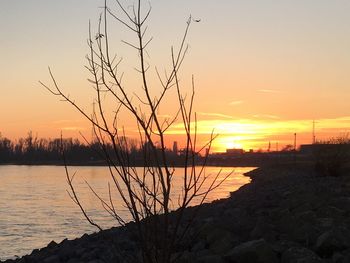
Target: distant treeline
x: 33, y: 150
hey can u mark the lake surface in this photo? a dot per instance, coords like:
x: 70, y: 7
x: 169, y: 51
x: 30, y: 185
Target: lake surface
x: 35, y: 207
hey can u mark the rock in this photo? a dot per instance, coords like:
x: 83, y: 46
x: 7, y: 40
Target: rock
x: 200, y: 245
x: 216, y: 238
x: 210, y: 259
x: 65, y: 252
x: 222, y: 244
x: 263, y: 230
x: 52, y: 244
x: 337, y: 258
x: 299, y: 255
x: 307, y: 216
x: 185, y: 257
x: 282, y: 245
x: 90, y: 255
x: 336, y: 239
x: 52, y: 259
x: 258, y: 251
x: 325, y: 222
x: 331, y: 211
x: 35, y: 251
x: 341, y: 257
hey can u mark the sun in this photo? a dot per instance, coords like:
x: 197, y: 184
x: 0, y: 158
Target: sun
x: 228, y: 142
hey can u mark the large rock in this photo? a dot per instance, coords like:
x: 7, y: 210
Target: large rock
x: 218, y: 239
x: 222, y: 244
x: 52, y: 259
x: 210, y: 259
x: 336, y: 239
x: 184, y: 257
x: 300, y: 255
x: 258, y: 251
x: 264, y: 230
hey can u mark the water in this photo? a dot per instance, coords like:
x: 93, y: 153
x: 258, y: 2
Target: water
x: 35, y: 207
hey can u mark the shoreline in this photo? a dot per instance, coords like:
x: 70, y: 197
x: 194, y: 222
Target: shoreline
x: 285, y: 214
x: 104, y: 165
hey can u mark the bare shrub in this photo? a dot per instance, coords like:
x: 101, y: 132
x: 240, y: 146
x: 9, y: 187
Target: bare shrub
x: 332, y: 156
x: 147, y: 195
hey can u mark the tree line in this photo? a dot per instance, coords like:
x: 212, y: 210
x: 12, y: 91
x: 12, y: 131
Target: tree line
x: 34, y: 150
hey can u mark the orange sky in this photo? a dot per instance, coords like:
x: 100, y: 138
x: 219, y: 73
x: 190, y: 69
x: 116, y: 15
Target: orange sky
x: 264, y: 70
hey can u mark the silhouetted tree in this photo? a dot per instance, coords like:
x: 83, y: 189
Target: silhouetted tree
x: 147, y: 195
x: 6, y: 149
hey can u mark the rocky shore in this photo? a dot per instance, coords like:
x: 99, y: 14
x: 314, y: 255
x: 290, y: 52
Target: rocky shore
x: 286, y: 214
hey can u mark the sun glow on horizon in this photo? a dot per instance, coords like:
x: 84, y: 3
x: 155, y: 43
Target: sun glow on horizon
x: 246, y: 134
x: 264, y: 133
x: 229, y: 142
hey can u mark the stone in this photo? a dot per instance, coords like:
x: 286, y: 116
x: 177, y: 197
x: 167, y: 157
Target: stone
x: 200, y: 245
x: 258, y: 251
x: 263, y: 229
x: 337, y: 258
x: 210, y: 259
x: 336, y: 239
x: 299, y: 255
x: 52, y: 244
x: 325, y: 222
x: 222, y: 244
x: 186, y: 257
x: 52, y: 259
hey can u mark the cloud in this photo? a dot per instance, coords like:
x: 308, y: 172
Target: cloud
x: 269, y: 91
x: 166, y: 116
x: 266, y: 116
x: 236, y: 102
x: 66, y: 121
x: 213, y: 114
x: 73, y: 128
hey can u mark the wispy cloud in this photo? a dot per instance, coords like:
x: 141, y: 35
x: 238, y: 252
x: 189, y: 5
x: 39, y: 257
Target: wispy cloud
x: 66, y: 121
x: 163, y: 116
x: 269, y: 91
x: 213, y: 114
x: 236, y: 102
x: 271, y: 125
x: 166, y: 116
x: 266, y: 116
x: 72, y: 128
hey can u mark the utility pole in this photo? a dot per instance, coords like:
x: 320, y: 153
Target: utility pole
x: 313, y: 132
x: 295, y: 149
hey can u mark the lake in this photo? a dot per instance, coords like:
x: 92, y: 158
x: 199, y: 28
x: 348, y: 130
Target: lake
x: 35, y: 207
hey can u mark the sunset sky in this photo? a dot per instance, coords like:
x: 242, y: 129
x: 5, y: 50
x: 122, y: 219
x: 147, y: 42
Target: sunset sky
x: 264, y: 70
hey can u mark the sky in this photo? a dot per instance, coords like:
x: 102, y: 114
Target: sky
x: 263, y: 70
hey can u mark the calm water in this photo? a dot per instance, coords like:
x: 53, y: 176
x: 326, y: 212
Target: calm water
x: 35, y: 207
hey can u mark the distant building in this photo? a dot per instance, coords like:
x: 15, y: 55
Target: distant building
x: 234, y: 152
x: 175, y: 148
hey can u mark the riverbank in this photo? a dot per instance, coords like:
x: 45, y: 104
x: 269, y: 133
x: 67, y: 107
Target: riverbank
x: 286, y: 214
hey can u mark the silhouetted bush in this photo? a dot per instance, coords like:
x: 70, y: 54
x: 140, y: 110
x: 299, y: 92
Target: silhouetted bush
x: 332, y: 156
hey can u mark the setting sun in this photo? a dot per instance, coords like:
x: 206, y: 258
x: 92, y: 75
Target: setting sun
x: 228, y: 142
